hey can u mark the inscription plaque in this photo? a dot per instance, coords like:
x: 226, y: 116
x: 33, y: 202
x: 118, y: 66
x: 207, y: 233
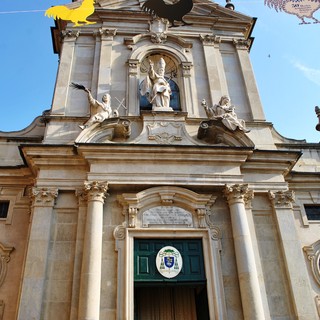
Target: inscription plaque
x: 164, y: 215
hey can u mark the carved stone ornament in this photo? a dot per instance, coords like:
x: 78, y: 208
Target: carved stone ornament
x: 186, y: 69
x: 165, y: 132
x: 238, y: 192
x: 107, y: 34
x: 119, y: 232
x: 96, y: 191
x: 201, y: 212
x: 132, y: 213
x: 242, y: 44
x: 4, y: 259
x: 210, y: 40
x: 282, y: 199
x: 158, y: 25
x: 44, y: 196
x: 70, y: 34
x: 158, y: 37
x: 133, y: 65
x: 110, y: 130
x: 215, y: 231
x: 313, y: 254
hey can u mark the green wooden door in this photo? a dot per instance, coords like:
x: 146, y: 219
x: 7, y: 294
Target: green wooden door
x: 145, y: 270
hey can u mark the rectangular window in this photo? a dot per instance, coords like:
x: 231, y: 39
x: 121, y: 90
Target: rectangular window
x: 313, y: 212
x: 4, y: 208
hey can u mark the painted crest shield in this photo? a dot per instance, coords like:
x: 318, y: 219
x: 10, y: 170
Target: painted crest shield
x: 169, y: 262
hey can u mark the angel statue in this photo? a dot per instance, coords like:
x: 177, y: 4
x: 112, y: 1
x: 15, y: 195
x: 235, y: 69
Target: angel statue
x: 156, y: 88
x: 102, y: 109
x: 225, y: 112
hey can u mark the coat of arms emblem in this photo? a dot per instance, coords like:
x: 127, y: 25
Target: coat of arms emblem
x: 169, y: 262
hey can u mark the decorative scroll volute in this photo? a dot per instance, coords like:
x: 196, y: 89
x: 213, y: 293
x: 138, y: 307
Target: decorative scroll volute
x: 313, y: 254
x: 119, y: 232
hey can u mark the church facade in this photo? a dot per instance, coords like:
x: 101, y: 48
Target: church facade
x: 154, y: 187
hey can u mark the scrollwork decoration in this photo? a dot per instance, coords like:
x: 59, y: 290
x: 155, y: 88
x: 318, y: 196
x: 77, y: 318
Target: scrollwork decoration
x: 313, y: 254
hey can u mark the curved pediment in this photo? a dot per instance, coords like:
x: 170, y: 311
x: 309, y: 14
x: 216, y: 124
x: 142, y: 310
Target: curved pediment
x: 215, y: 133
x: 111, y: 130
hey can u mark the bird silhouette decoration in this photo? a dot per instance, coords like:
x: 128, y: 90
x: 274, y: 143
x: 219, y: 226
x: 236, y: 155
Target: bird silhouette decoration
x: 301, y: 8
x: 172, y: 12
x: 76, y: 15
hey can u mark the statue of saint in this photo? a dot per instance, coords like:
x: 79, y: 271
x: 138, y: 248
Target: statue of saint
x: 102, y: 110
x: 225, y: 112
x: 156, y: 88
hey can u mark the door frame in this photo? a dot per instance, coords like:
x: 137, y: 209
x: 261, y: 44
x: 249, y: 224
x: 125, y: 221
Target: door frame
x: 212, y: 264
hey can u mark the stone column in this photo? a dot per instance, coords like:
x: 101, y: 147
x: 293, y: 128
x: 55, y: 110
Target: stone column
x: 294, y: 261
x: 89, y: 301
x: 34, y: 278
x: 251, y: 298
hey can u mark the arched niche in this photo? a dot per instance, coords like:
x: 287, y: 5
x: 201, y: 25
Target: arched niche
x: 171, y: 74
x: 178, y: 72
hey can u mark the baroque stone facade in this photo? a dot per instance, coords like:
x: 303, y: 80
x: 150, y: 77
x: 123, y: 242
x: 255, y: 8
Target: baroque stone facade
x: 89, y: 203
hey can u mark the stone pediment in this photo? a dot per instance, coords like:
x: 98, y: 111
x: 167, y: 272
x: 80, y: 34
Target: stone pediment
x: 204, y: 8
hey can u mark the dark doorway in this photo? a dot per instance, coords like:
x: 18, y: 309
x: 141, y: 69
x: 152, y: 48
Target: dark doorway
x: 171, y: 303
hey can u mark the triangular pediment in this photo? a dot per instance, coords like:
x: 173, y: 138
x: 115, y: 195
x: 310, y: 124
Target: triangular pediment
x: 203, y: 8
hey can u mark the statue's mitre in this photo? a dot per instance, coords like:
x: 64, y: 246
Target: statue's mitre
x: 161, y: 63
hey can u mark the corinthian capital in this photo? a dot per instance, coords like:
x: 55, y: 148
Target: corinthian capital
x: 44, y: 196
x: 238, y: 193
x: 96, y: 191
x: 107, y: 34
x: 210, y: 40
x: 70, y: 34
x: 242, y: 44
x: 282, y: 199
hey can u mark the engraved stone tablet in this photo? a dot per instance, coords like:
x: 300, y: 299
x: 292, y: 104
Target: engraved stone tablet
x: 164, y: 215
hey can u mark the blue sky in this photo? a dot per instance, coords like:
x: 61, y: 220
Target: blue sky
x: 285, y: 58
